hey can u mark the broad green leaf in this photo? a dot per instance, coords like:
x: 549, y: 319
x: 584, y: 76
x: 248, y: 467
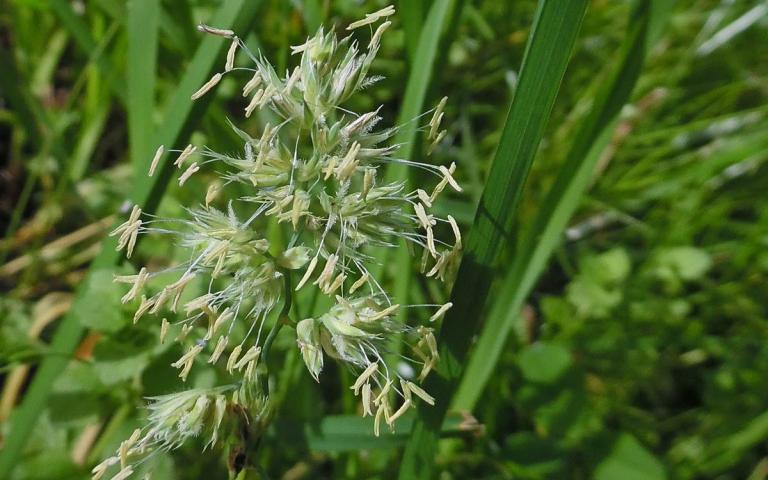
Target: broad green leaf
x: 143, y: 20
x: 544, y: 362
x: 687, y: 262
x: 103, y: 312
x: 629, y: 460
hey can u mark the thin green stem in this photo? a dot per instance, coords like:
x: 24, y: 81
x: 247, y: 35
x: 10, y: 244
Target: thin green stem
x: 282, y: 319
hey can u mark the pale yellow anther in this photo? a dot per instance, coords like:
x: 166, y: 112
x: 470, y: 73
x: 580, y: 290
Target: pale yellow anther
x: 404, y: 389
x: 156, y: 160
x: 419, y: 392
x: 184, y: 155
x: 399, y: 413
x: 226, y: 315
x: 232, y: 360
x: 456, y: 231
x: 327, y: 273
x: 134, y: 437
x: 138, y: 283
x: 447, y: 178
x: 132, y: 238
x: 164, y: 329
x: 333, y: 286
x: 122, y: 452
x: 424, y: 258
x: 426, y: 368
x: 440, y: 264
x: 303, y: 47
x: 366, y: 399
x: 123, y: 474
x: 178, y: 286
x: 440, y: 312
x: 429, y: 337
x: 435, y: 124
x: 269, y: 92
x: 198, y: 303
x: 135, y: 214
x: 382, y: 396
x: 377, y: 419
x: 221, y: 344
x: 186, y: 361
x: 431, y: 242
x: 421, y: 214
x: 98, y: 470
x: 447, y: 174
x: 221, y: 32
x: 159, y: 301
x: 359, y: 283
x: 191, y: 170
x: 250, y: 371
x: 363, y: 378
x: 254, y: 102
x: 252, y: 354
x: 384, y: 313
x: 372, y: 17
x: 376, y: 38
x: 308, y: 273
x: 212, y: 192
x: 231, y: 55
x: 144, y: 307
x: 207, y: 86
x: 424, y: 198
x: 254, y: 82
x: 189, y: 354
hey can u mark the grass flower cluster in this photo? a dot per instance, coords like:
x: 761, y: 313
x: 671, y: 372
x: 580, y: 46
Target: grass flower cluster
x: 317, y: 172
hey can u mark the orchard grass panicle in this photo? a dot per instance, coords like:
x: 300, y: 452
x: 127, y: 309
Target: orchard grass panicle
x: 317, y: 170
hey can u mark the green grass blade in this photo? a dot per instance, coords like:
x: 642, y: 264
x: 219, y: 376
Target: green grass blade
x: 547, y: 53
x: 559, y: 205
x: 142, y: 29
x: 82, y: 35
x: 27, y: 110
x: 178, y: 124
x: 412, y: 14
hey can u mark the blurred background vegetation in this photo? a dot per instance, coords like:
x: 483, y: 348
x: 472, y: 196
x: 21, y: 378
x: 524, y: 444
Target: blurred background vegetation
x: 640, y: 352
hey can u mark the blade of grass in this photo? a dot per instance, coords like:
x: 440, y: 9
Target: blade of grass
x: 412, y: 14
x: 142, y: 29
x: 82, y: 35
x: 552, y: 37
x: 561, y: 202
x: 178, y: 125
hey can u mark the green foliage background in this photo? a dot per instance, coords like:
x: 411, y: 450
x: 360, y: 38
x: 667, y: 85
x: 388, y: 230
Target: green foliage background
x: 613, y: 294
